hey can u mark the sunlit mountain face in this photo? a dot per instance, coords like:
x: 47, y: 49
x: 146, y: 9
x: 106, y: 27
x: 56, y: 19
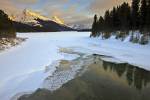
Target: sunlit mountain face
x: 12, y: 17
x: 38, y: 16
x: 34, y: 14
x: 28, y: 16
x: 31, y: 16
x: 58, y: 20
x: 32, y: 21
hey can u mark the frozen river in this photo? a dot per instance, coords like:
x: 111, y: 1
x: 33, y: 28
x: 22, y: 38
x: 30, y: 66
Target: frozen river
x: 23, y: 67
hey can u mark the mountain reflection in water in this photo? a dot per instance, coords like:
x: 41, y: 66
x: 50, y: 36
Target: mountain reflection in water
x: 101, y: 81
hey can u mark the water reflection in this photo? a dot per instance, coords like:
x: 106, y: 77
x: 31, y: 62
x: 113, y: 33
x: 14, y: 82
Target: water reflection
x: 101, y: 81
x: 135, y: 76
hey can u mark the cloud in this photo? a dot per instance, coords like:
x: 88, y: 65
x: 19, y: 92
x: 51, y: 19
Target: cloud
x: 83, y: 21
x: 26, y: 1
x: 67, y: 10
x: 100, y: 6
x: 71, y: 11
x: 8, y: 6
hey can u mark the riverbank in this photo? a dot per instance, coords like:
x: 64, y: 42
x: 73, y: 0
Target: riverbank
x: 25, y: 66
x: 6, y: 43
x: 95, y: 79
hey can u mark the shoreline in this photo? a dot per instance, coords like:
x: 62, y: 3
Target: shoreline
x: 7, y: 43
x: 85, y: 65
x: 40, y: 50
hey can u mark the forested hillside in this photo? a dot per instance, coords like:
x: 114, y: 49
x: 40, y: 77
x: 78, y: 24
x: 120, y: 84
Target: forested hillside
x: 6, y: 26
x: 125, y: 19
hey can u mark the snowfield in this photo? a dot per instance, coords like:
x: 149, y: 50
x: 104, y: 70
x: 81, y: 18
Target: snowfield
x: 22, y: 68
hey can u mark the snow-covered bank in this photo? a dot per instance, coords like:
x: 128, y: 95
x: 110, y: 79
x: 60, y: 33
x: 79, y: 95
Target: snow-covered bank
x: 23, y: 67
x: 6, y: 43
x: 125, y: 51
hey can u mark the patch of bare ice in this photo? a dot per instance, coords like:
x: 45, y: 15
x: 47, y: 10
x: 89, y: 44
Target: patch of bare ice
x: 66, y: 70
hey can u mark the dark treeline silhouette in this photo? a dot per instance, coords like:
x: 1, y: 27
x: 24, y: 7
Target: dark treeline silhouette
x: 6, y: 26
x: 125, y: 18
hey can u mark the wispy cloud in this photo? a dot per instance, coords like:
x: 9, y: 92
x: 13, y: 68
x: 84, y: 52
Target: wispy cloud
x: 100, y: 6
x: 8, y: 6
x: 26, y: 1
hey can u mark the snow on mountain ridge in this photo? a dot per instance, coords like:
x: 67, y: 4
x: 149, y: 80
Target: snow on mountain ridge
x: 58, y: 20
x: 29, y: 13
x: 30, y: 17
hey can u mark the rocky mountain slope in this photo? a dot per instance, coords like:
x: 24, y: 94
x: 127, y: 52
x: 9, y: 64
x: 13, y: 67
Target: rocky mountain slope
x: 30, y: 21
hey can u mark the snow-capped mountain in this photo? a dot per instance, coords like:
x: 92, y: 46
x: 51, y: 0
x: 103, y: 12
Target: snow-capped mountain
x: 38, y: 21
x: 58, y: 20
x: 30, y: 17
x: 79, y: 26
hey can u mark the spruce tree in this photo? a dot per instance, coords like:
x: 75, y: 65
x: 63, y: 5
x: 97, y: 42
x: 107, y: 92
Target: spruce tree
x: 115, y: 19
x: 124, y: 18
x: 6, y: 26
x: 100, y: 25
x: 135, y: 14
x: 148, y: 16
x: 124, y: 13
x: 94, y: 27
x: 107, y: 22
x: 143, y: 14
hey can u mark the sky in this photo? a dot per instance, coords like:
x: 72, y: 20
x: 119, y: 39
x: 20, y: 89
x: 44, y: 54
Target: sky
x: 71, y: 11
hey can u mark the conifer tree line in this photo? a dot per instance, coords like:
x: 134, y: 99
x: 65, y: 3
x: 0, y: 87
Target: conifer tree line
x: 124, y: 18
x: 6, y: 26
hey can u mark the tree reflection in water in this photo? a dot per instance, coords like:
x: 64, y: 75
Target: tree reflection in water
x: 101, y: 81
x: 134, y: 75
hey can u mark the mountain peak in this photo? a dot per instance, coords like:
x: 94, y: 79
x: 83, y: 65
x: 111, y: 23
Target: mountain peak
x: 35, y: 15
x: 58, y: 20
